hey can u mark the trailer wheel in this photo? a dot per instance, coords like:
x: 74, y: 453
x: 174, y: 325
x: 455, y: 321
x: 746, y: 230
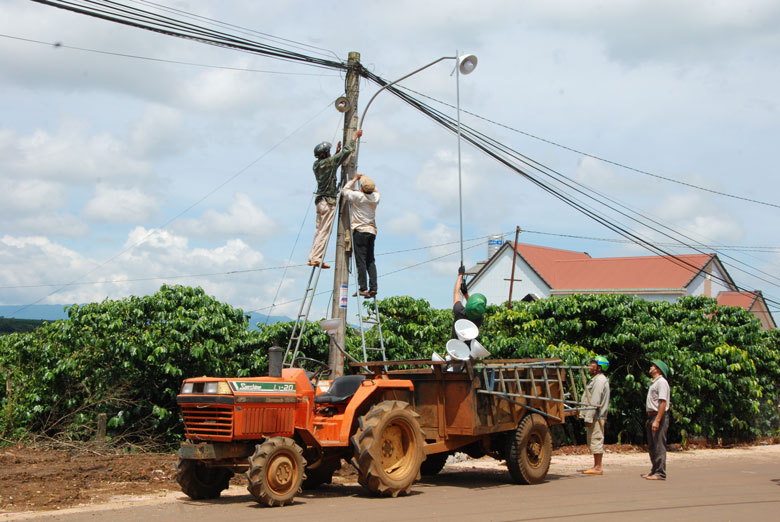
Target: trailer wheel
x: 433, y: 464
x: 199, y: 481
x: 388, y: 448
x: 529, y: 450
x: 276, y: 471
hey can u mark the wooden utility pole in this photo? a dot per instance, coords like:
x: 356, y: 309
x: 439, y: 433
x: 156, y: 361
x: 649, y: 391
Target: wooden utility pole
x: 343, y: 238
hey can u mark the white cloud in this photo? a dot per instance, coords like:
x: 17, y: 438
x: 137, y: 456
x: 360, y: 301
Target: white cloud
x: 70, y: 155
x: 116, y: 205
x: 405, y: 224
x: 243, y: 218
x: 161, y: 132
x: 29, y: 196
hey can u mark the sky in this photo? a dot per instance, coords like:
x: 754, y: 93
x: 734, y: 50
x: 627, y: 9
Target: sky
x: 191, y: 164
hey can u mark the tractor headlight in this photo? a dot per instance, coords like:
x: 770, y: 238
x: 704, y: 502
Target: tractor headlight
x: 187, y: 387
x: 210, y: 387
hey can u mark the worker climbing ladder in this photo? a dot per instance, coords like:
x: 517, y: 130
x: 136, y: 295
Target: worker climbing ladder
x: 372, y: 319
x: 303, y: 312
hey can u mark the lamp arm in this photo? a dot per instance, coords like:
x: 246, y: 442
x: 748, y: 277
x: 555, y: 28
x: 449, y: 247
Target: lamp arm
x: 362, y: 117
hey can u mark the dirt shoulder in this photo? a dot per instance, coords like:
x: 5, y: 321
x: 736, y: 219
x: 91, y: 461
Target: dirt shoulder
x: 39, y: 479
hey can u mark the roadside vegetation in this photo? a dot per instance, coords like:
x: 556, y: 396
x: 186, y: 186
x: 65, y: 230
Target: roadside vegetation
x: 126, y: 359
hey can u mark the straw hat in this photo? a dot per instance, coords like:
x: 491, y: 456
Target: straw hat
x: 367, y: 185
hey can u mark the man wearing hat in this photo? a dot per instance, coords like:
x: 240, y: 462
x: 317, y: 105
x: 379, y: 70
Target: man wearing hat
x: 474, y: 310
x: 362, y: 210
x: 325, y: 168
x: 595, y: 419
x: 658, y: 404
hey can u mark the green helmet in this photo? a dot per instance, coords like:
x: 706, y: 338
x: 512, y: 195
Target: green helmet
x: 475, y: 307
x: 661, y: 366
x: 602, y: 362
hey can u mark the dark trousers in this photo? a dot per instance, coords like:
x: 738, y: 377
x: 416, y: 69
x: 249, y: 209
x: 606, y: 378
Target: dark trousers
x: 364, y: 259
x: 656, y: 444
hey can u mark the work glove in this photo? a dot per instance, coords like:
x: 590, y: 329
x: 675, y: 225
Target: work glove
x: 461, y: 270
x: 463, y: 289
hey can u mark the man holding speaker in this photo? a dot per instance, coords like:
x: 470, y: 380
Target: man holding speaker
x: 474, y: 310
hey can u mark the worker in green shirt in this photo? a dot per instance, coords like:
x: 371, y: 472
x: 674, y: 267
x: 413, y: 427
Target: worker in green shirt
x: 325, y: 168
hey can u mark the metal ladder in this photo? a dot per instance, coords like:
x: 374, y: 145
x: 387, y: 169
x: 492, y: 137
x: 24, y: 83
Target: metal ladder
x: 308, y: 297
x: 369, y: 319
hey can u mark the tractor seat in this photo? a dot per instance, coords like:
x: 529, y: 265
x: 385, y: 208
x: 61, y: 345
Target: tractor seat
x: 342, y: 389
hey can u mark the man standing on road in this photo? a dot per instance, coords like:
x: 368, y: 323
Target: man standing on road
x: 658, y: 405
x: 474, y: 310
x: 595, y: 419
x: 325, y: 168
x: 362, y: 210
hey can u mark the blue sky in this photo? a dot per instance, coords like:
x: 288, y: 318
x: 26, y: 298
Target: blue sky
x: 122, y: 174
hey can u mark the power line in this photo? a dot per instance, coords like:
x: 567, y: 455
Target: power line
x: 229, y: 272
x: 60, y: 45
x: 155, y: 22
x: 599, y: 158
x: 181, y: 213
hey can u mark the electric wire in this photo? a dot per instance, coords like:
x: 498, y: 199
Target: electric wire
x: 293, y: 43
x: 229, y: 272
x: 181, y: 213
x: 143, y: 19
x: 594, y: 156
x: 155, y: 22
x: 497, y: 151
x: 60, y: 45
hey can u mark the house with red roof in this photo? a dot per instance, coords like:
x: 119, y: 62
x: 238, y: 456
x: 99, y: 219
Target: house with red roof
x: 543, y: 272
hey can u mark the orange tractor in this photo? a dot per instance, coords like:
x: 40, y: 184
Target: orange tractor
x: 392, y: 421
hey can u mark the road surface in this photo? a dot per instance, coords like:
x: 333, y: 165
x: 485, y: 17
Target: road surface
x: 709, y: 485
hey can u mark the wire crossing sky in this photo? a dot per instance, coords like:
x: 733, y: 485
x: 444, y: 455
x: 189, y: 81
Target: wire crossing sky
x: 166, y: 136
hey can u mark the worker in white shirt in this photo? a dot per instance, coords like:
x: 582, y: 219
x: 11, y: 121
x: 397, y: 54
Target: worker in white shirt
x: 362, y: 209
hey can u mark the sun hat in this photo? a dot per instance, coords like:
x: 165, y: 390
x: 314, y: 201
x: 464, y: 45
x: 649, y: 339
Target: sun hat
x: 661, y: 366
x: 475, y: 306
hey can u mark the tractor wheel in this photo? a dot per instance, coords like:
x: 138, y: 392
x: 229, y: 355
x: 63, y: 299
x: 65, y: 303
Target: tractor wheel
x: 433, y: 464
x: 276, y: 471
x: 322, y: 474
x: 529, y: 450
x: 199, y: 481
x: 388, y: 448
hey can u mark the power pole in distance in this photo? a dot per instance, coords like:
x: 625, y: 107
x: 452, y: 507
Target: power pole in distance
x: 343, y: 238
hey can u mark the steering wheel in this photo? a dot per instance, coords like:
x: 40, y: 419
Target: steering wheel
x: 322, y: 368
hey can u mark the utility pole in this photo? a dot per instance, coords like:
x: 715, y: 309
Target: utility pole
x: 343, y: 238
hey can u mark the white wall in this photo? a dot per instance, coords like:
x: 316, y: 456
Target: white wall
x: 494, y: 281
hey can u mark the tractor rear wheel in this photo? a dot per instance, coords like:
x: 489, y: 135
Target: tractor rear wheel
x: 199, y: 481
x: 433, y: 464
x: 276, y: 471
x: 529, y: 450
x: 388, y: 448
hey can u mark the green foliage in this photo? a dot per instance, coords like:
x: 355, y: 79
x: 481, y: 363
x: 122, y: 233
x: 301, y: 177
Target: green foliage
x: 124, y: 358
x: 8, y: 326
x: 725, y: 369
x: 127, y: 358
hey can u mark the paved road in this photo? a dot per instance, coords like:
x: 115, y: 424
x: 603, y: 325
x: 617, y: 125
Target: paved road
x: 704, y: 485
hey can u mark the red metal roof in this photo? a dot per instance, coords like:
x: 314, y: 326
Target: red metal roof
x: 743, y: 299
x: 567, y: 270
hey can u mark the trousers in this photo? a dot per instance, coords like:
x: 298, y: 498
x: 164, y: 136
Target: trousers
x: 364, y: 259
x: 325, y: 213
x: 656, y: 444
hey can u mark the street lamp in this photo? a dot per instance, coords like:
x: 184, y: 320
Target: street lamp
x: 465, y: 65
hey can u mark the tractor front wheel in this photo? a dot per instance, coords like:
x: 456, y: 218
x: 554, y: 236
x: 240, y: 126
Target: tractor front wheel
x: 388, y: 448
x: 529, y: 450
x: 276, y: 471
x: 199, y: 481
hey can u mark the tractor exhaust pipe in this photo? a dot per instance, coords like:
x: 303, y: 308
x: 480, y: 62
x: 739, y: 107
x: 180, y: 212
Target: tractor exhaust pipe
x: 274, y: 361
